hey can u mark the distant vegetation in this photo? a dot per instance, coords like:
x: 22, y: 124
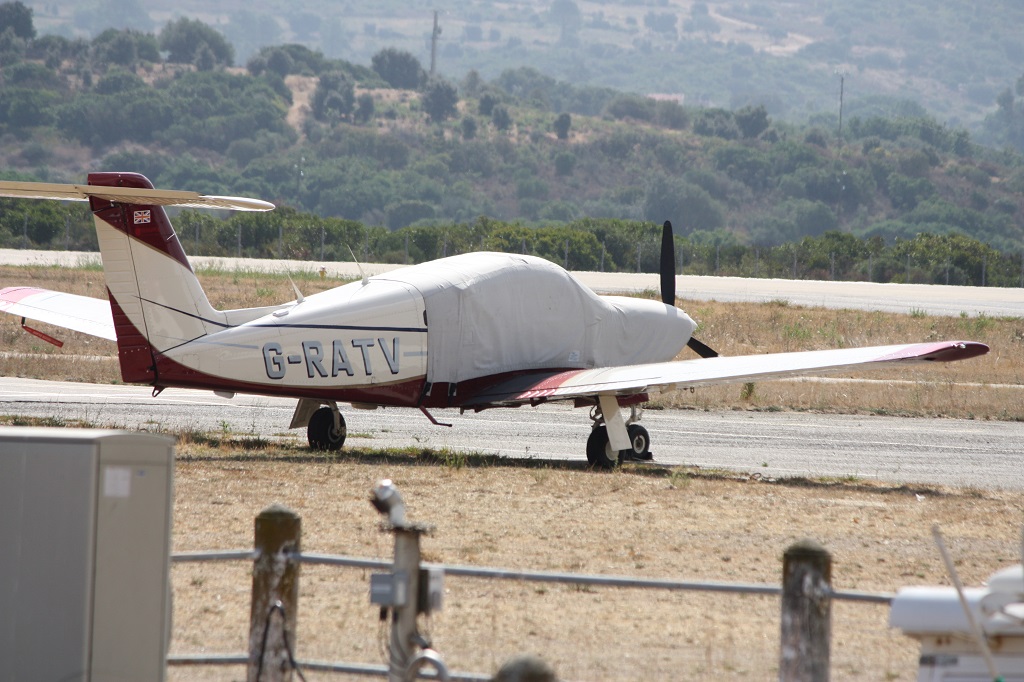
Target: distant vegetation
x: 400, y: 166
x: 953, y: 58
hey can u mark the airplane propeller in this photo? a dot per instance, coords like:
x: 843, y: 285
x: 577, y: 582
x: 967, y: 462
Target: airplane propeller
x: 668, y: 285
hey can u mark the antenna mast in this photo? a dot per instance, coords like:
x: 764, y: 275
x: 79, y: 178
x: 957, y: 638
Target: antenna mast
x: 433, y: 45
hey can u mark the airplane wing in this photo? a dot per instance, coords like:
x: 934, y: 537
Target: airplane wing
x: 667, y: 376
x: 80, y: 313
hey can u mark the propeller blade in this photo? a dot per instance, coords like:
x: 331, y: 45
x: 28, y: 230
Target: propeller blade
x: 701, y: 349
x: 668, y: 284
x: 668, y: 265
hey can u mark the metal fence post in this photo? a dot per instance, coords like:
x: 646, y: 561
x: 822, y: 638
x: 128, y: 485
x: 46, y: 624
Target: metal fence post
x: 806, y: 613
x: 275, y: 594
x: 403, y: 624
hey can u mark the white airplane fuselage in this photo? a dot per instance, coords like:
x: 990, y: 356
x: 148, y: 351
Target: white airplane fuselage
x: 396, y: 331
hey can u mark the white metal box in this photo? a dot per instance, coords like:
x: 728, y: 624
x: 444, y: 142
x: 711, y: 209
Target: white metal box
x: 85, y: 537
x: 949, y: 651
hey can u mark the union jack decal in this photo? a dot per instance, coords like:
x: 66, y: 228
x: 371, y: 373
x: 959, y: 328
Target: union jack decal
x: 141, y: 217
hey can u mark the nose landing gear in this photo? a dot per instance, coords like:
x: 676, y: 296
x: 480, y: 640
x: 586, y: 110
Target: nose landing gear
x: 600, y: 452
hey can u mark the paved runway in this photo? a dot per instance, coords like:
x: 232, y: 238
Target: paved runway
x: 896, y: 298
x: 776, y: 444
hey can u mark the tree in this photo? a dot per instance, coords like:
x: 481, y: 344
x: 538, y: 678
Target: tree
x: 334, y: 97
x: 27, y: 107
x: 631, y: 106
x: 119, y: 81
x: 472, y: 83
x: 752, y: 121
x: 399, y: 68
x: 468, y: 128
x: 365, y: 108
x: 716, y: 123
x: 661, y: 22
x: 562, y: 125
x: 500, y: 117
x: 671, y: 114
x: 17, y: 16
x: 565, y: 162
x: 487, y: 103
x: 280, y: 62
x: 125, y: 48
x: 440, y: 100
x: 185, y: 38
x: 403, y: 213
x: 567, y: 14
x: 688, y: 206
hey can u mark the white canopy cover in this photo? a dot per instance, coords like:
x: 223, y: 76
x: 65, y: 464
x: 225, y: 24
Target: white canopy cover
x: 490, y: 313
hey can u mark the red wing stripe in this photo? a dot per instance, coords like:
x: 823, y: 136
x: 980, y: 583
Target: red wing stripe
x: 12, y: 295
x: 943, y: 351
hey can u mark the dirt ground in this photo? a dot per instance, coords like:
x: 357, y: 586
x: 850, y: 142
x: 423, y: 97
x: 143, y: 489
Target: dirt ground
x: 639, y: 521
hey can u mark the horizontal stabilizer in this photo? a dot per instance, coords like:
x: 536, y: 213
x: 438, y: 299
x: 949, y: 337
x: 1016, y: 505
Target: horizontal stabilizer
x: 129, y: 195
x: 71, y: 311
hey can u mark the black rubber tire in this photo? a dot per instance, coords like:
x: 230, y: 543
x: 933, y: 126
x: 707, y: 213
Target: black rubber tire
x: 599, y: 450
x: 641, y: 441
x: 321, y: 432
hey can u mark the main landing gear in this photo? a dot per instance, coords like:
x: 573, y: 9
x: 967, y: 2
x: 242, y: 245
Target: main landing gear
x: 326, y: 429
x: 600, y: 451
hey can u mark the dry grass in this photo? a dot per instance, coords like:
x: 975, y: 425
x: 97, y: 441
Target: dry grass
x: 643, y: 521
x: 638, y: 521
x: 990, y: 387
x: 984, y: 388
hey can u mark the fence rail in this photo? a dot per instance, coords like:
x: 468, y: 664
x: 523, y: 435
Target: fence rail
x: 805, y: 592
x: 532, y: 576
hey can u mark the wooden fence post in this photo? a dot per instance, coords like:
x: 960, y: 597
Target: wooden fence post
x: 806, y: 613
x: 275, y: 594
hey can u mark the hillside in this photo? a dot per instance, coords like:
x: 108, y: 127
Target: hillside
x: 382, y: 145
x: 952, y: 58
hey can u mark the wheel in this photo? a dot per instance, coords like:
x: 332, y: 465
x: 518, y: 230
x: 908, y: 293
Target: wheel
x: 599, y: 450
x: 321, y: 432
x: 641, y: 441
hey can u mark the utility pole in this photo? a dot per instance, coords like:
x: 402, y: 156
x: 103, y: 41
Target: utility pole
x: 433, y: 45
x: 842, y: 82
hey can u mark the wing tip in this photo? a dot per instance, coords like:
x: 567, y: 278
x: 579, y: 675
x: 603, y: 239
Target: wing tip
x: 942, y: 351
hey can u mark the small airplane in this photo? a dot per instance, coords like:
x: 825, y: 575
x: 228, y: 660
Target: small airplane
x: 473, y: 331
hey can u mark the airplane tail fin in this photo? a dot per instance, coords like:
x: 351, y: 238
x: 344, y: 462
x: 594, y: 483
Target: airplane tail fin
x: 155, y: 297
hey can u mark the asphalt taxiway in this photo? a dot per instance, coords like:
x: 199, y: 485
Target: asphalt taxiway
x: 953, y: 452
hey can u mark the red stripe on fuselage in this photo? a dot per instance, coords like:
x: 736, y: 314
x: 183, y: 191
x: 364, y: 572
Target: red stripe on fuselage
x: 400, y: 394
x: 134, y: 352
